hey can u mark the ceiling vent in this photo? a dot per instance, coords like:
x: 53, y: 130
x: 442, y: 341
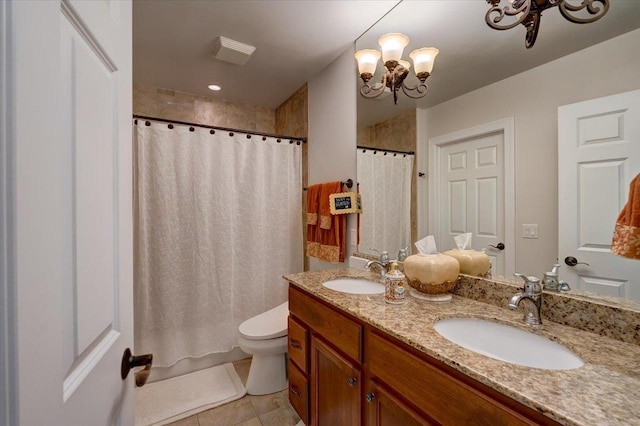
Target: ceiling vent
x: 232, y: 51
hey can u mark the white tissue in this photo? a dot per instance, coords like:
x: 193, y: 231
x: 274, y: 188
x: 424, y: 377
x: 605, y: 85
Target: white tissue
x: 427, y: 245
x: 463, y: 241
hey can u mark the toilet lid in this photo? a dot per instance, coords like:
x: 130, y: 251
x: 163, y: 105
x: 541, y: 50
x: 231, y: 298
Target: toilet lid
x: 267, y: 325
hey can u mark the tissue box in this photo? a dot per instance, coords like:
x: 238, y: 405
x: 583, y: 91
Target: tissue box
x: 472, y: 262
x: 431, y: 273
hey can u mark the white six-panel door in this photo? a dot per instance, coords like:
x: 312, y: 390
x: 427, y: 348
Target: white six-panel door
x: 598, y: 155
x: 471, y: 190
x: 73, y: 211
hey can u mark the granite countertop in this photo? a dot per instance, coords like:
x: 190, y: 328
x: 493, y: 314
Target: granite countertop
x: 606, y: 390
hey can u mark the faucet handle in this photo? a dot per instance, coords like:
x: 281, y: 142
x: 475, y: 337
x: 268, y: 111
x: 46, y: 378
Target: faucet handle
x: 384, y: 256
x: 402, y: 253
x: 531, y: 284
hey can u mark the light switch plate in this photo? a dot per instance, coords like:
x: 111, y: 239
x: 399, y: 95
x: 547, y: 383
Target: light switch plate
x: 354, y: 237
x: 530, y: 230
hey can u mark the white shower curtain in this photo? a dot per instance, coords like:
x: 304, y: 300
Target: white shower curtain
x: 385, y: 186
x: 218, y: 221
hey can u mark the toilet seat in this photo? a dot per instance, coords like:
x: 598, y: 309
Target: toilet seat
x: 267, y: 325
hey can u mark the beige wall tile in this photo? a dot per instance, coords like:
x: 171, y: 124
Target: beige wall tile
x: 241, y: 117
x: 210, y: 112
x: 265, y: 120
x: 175, y: 108
x: 145, y: 101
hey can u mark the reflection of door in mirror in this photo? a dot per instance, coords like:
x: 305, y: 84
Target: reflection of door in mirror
x: 599, y: 154
x: 471, y: 190
x: 384, y: 178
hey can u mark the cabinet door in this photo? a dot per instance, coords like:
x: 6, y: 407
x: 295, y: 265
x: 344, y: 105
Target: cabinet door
x: 335, y: 387
x: 383, y: 408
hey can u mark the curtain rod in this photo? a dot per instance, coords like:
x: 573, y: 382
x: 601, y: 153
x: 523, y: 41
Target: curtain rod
x: 386, y: 150
x: 226, y: 129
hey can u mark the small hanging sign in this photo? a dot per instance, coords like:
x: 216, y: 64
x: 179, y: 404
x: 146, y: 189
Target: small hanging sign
x: 345, y: 202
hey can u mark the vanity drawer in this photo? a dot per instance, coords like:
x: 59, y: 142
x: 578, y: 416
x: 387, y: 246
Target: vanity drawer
x: 334, y: 327
x: 441, y: 395
x: 299, y: 392
x: 297, y: 344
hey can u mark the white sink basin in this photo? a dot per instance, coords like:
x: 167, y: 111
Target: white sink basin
x: 354, y: 286
x: 507, y: 343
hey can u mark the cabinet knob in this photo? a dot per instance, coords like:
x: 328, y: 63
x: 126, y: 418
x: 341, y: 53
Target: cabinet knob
x: 370, y: 397
x: 352, y: 381
x: 295, y: 344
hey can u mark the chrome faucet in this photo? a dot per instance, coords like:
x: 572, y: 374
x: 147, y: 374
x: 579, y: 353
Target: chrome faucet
x: 383, y: 263
x: 533, y: 294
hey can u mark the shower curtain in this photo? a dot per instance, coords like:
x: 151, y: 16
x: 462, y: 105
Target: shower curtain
x: 218, y: 221
x: 385, y: 184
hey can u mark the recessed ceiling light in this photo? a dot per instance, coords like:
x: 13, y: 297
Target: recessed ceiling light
x: 214, y: 87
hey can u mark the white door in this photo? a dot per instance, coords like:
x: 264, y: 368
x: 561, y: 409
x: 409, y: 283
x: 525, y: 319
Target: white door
x: 598, y: 155
x: 470, y: 191
x: 70, y: 118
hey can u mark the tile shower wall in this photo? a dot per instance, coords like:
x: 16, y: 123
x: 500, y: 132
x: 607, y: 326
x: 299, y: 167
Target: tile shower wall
x: 179, y: 106
x: 292, y: 119
x: 397, y: 133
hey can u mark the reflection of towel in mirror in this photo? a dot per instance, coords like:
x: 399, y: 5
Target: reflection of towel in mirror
x: 626, y: 236
x: 331, y: 234
x: 313, y: 204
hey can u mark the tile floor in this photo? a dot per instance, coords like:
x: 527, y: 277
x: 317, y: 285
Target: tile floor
x: 250, y: 410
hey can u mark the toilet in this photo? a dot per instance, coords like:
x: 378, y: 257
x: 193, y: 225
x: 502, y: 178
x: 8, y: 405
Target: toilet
x: 265, y: 337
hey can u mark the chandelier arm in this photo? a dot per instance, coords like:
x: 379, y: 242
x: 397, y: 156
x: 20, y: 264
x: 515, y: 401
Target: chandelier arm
x: 373, y: 91
x: 532, y: 25
x: 495, y: 14
x: 599, y: 10
x: 416, y: 92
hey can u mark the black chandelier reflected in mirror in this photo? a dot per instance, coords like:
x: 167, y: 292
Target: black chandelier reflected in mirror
x: 529, y: 12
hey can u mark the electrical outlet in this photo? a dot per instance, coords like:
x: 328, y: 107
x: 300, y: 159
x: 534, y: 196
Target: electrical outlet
x: 530, y: 230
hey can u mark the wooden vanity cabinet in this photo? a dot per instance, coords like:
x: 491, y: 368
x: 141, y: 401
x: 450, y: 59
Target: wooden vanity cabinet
x: 345, y: 373
x: 335, y: 387
x: 385, y: 408
x: 329, y: 359
x: 428, y: 391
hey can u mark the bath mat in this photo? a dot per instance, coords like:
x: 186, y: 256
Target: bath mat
x: 173, y: 399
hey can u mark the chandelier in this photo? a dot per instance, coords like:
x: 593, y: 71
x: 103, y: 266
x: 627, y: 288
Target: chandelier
x: 529, y: 12
x: 396, y: 69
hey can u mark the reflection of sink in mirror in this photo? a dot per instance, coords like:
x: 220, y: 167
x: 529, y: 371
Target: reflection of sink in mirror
x: 506, y: 343
x: 354, y: 286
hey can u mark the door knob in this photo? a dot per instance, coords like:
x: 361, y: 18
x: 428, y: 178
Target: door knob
x: 572, y: 261
x: 129, y: 361
x: 499, y: 246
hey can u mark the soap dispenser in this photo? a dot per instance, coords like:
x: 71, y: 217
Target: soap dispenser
x: 394, y: 283
x: 550, y: 280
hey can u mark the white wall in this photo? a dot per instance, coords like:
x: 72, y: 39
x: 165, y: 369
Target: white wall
x: 332, y: 134
x: 533, y: 98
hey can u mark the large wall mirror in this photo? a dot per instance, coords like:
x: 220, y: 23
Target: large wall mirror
x: 482, y: 77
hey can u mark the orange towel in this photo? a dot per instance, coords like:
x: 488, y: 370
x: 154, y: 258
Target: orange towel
x: 313, y: 205
x: 332, y: 231
x: 626, y: 236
